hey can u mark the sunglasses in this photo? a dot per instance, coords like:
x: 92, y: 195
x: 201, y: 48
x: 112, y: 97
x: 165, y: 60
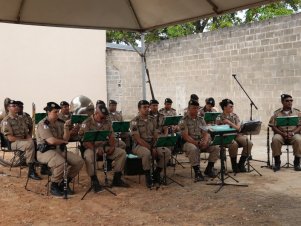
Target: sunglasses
x: 289, y: 100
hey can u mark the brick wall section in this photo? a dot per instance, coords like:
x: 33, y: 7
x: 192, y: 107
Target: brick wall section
x: 265, y: 56
x: 124, y: 82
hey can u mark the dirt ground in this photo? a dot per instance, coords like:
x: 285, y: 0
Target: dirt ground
x: 270, y: 199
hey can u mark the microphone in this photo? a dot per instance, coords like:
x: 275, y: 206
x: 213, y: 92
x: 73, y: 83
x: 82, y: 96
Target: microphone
x: 234, y: 75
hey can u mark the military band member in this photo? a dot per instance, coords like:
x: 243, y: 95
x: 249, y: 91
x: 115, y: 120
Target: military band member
x: 192, y: 97
x: 99, y: 122
x: 25, y: 116
x: 15, y: 129
x: 65, y: 113
x: 115, y: 115
x: 144, y: 132
x: 292, y: 136
x: 52, y: 137
x: 232, y: 119
x: 159, y: 118
x: 209, y: 106
x: 168, y: 110
x: 196, y: 141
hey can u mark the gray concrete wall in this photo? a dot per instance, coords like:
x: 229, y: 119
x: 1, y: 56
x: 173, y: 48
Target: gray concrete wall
x: 265, y: 56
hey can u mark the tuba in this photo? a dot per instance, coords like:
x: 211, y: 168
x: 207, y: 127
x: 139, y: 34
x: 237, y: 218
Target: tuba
x: 81, y: 105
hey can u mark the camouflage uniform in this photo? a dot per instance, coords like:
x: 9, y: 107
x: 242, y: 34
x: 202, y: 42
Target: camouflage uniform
x: 17, y: 126
x: 240, y: 140
x: 119, y: 155
x: 192, y: 127
x: 55, y: 158
x: 146, y: 129
x: 278, y: 140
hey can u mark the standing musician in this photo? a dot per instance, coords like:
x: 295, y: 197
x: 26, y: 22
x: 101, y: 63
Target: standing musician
x: 99, y: 122
x: 15, y: 129
x: 65, y: 113
x: 196, y: 141
x: 52, y: 137
x: 232, y: 119
x: 144, y: 132
x: 168, y: 110
x: 292, y: 136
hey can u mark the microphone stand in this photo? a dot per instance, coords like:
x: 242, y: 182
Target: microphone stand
x: 251, y: 118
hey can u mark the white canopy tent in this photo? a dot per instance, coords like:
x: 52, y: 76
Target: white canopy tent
x: 133, y: 15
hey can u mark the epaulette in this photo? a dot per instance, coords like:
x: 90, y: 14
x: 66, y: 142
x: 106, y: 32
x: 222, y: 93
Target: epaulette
x: 173, y: 109
x: 296, y: 109
x: 278, y: 110
x: 61, y: 120
x: 27, y: 114
x: 46, y: 122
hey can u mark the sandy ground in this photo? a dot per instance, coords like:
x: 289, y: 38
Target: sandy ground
x: 270, y: 199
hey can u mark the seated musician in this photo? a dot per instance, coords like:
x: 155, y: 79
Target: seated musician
x: 115, y: 115
x: 52, y: 137
x: 25, y: 116
x: 159, y: 118
x: 168, y: 110
x: 292, y: 136
x: 192, y: 97
x: 17, y: 132
x: 144, y: 132
x: 65, y: 113
x: 99, y: 122
x: 196, y: 141
x: 232, y: 119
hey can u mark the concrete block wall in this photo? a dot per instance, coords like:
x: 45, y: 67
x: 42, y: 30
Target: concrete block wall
x: 265, y: 56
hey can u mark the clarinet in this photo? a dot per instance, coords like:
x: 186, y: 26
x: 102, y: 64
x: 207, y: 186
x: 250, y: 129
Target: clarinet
x: 268, y: 147
x: 65, y: 172
x: 105, y: 164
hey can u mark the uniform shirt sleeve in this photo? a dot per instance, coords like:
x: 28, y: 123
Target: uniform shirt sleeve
x: 44, y: 131
x: 272, y: 120
x: 83, y: 128
x: 183, y: 126
x: 6, y: 128
x: 237, y: 120
x: 134, y: 128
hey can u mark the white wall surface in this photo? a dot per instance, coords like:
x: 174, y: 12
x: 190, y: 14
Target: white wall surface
x: 42, y: 64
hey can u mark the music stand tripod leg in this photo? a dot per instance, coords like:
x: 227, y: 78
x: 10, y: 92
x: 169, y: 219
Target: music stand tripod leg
x: 165, y: 177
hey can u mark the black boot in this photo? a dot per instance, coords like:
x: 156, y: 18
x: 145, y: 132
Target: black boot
x: 241, y: 164
x: 55, y: 189
x: 32, y: 172
x: 45, y: 170
x: 62, y: 186
x: 198, y: 176
x: 95, y: 184
x: 297, y: 164
x: 277, y: 164
x: 118, y: 182
x: 209, y: 171
x: 156, y: 175
x: 148, y: 179
x: 234, y: 165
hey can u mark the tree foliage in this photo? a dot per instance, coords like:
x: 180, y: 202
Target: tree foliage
x: 228, y: 20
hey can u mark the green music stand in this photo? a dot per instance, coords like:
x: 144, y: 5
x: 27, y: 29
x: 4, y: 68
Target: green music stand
x: 75, y: 119
x: 39, y: 116
x: 94, y: 136
x: 286, y: 121
x: 167, y: 141
x: 221, y: 139
x: 172, y: 120
x: 211, y: 116
x: 121, y: 127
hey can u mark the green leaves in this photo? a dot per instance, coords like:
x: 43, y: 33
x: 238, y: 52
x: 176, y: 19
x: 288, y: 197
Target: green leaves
x: 228, y: 20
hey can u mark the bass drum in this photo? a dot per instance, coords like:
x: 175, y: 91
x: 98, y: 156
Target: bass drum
x: 81, y: 105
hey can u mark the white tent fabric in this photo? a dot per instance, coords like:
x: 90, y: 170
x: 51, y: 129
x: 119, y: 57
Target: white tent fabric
x: 136, y: 15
